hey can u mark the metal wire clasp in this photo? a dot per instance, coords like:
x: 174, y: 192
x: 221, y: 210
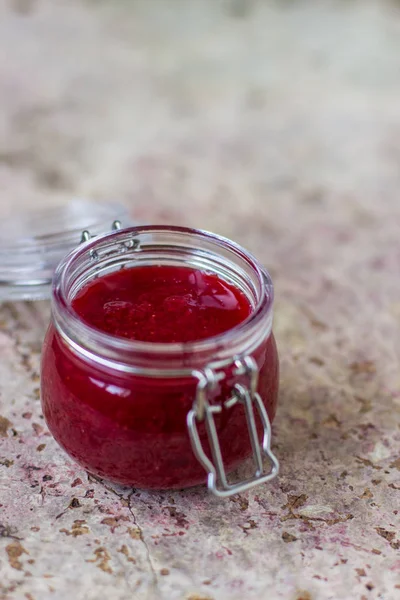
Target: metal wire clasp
x: 86, y: 235
x: 204, y: 411
x: 132, y: 244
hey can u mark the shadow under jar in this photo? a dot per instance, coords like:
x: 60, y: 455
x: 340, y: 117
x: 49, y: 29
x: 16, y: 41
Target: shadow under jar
x: 158, y: 415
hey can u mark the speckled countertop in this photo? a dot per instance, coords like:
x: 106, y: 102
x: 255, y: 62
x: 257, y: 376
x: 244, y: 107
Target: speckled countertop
x: 278, y: 125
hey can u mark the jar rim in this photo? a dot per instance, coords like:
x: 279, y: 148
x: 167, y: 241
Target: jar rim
x: 79, y: 332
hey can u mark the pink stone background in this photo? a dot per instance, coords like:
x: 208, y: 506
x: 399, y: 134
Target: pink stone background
x: 276, y: 124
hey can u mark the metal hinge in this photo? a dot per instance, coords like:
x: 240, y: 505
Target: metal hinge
x: 202, y: 410
x: 132, y: 244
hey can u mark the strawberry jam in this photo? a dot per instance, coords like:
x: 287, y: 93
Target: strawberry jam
x: 162, y: 304
x: 127, y: 423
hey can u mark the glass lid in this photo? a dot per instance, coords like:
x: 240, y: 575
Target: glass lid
x: 33, y: 243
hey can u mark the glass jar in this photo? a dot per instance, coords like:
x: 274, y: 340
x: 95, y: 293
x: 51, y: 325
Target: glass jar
x: 158, y: 415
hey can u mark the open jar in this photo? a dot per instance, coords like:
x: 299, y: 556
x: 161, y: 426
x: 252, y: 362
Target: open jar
x: 162, y: 415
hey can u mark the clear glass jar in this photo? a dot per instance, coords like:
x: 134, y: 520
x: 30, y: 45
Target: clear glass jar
x: 155, y: 415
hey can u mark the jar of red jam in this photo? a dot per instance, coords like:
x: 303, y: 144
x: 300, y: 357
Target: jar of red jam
x: 159, y: 368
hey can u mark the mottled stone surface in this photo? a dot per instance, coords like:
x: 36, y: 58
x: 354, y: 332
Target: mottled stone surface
x: 278, y: 125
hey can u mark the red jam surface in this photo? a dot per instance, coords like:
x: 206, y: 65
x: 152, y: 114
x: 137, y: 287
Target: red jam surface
x: 162, y: 304
x: 132, y: 429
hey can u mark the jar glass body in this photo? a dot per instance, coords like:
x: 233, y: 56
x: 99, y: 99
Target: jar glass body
x: 120, y: 408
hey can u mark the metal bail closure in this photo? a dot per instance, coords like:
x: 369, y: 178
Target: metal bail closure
x: 202, y: 410
x: 133, y: 244
x: 86, y: 235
